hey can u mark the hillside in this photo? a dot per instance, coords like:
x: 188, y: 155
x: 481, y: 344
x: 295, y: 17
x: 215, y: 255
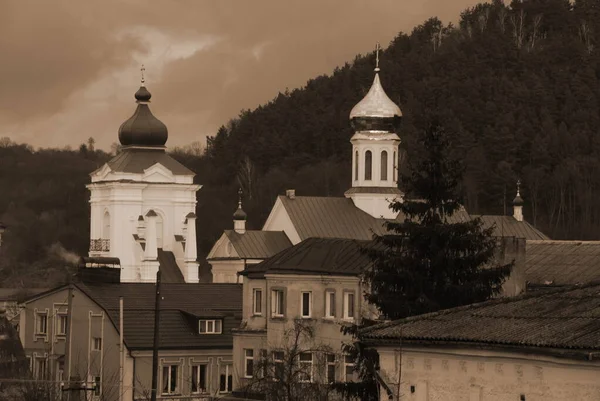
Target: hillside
x: 518, y: 86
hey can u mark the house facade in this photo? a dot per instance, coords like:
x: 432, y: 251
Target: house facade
x: 82, y: 345
x: 538, y: 346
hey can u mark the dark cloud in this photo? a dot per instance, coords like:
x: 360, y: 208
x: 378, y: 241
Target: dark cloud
x: 69, y: 68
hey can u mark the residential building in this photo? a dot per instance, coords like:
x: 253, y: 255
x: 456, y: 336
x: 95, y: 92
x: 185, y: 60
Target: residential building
x: 82, y: 344
x: 10, y: 299
x: 534, y: 347
x: 143, y: 203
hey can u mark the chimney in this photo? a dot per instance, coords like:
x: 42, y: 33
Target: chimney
x: 291, y: 193
x: 518, y: 204
x: 239, y: 217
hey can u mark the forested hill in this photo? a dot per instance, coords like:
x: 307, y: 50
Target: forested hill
x: 516, y: 85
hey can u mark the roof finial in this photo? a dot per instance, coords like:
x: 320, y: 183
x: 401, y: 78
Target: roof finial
x: 240, y: 192
x: 142, y: 71
x: 519, y: 187
x: 377, y: 48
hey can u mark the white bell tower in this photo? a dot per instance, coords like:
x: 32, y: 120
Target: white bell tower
x: 375, y: 151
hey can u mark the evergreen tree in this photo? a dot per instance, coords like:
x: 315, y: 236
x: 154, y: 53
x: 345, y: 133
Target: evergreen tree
x: 432, y: 260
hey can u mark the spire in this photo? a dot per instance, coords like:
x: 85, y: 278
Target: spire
x: 518, y: 204
x: 143, y: 129
x: 376, y: 111
x: 239, y: 217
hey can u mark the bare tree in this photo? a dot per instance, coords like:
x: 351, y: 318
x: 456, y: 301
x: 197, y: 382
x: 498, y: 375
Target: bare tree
x: 586, y: 36
x: 518, y: 23
x: 247, y: 177
x: 502, y: 14
x: 295, y: 370
x: 535, y: 32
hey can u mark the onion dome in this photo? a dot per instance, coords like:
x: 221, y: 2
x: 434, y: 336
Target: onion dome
x: 376, y: 111
x: 142, y: 128
x: 518, y: 201
x: 239, y: 213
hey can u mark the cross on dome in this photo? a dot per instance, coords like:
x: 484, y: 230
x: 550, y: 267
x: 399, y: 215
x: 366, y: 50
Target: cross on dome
x: 142, y: 70
x: 377, y: 48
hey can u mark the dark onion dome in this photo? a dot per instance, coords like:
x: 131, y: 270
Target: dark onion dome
x: 518, y: 201
x: 376, y: 111
x: 142, y: 128
x: 240, y: 214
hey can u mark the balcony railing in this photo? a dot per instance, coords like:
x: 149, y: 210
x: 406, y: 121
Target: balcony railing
x: 99, y: 245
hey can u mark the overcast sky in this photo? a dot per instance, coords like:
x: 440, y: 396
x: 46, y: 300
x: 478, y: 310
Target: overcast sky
x: 69, y: 68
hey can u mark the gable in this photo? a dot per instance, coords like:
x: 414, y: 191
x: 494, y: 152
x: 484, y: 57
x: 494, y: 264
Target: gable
x: 223, y: 248
x: 158, y: 173
x: 279, y: 220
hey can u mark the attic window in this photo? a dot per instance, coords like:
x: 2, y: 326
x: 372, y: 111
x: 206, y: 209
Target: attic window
x: 210, y: 327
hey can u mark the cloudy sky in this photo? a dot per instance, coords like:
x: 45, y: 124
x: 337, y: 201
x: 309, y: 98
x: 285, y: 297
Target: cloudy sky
x: 69, y: 68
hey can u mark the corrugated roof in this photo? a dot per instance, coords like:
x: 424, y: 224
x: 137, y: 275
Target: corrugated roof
x: 254, y: 244
x: 508, y: 226
x: 178, y: 330
x: 137, y: 160
x: 316, y: 256
x: 562, y: 262
x: 556, y: 319
x: 170, y: 272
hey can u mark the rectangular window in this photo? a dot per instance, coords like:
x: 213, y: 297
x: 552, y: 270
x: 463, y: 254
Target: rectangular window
x: 330, y: 360
x: 349, y: 374
x: 349, y: 305
x: 198, y: 379
x: 306, y: 300
x: 248, y: 363
x: 61, y: 325
x: 306, y: 367
x: 330, y: 304
x: 278, y: 365
x: 210, y: 327
x: 225, y: 379
x: 170, y: 376
x: 97, y: 386
x: 96, y: 344
x: 277, y: 303
x: 41, y: 323
x: 257, y: 301
x: 41, y: 368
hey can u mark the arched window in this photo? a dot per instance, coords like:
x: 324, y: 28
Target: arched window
x: 106, y: 225
x: 394, y: 161
x: 368, y: 165
x: 384, y: 166
x: 356, y: 165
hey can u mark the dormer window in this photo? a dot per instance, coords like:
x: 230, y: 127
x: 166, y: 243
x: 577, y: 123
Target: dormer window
x: 214, y: 326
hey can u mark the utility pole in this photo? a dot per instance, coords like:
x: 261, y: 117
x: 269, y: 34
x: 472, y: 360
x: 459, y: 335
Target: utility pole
x: 121, y: 349
x: 156, y: 339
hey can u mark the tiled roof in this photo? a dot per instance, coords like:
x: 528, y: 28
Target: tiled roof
x: 508, y: 226
x: 316, y: 256
x: 566, y: 319
x: 562, y: 262
x: 254, y: 244
x: 181, y: 306
x: 170, y: 272
x: 137, y: 160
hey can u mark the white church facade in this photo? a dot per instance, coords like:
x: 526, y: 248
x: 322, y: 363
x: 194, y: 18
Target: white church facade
x: 143, y: 204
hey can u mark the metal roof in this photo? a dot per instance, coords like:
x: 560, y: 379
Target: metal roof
x: 508, y: 226
x: 136, y: 160
x: 555, y: 319
x: 169, y: 270
x: 562, y: 262
x: 254, y: 244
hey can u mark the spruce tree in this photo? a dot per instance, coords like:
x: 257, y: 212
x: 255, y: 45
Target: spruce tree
x: 434, y: 258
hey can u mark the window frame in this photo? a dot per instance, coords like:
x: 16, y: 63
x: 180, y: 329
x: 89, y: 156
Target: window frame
x: 228, y: 379
x: 328, y: 364
x: 310, y: 304
x: 214, y: 326
x: 310, y: 364
x: 39, y: 362
x: 278, y: 302
x: 368, y: 165
x: 330, y: 311
x: 199, y: 376
x: 278, y: 363
x: 60, y: 318
x: 170, y: 368
x: 248, y: 363
x: 96, y: 344
x: 41, y: 316
x: 256, y: 302
x: 346, y: 315
x: 384, y: 165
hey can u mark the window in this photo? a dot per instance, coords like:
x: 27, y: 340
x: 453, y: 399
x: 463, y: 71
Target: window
x: 306, y: 365
x: 41, y: 323
x: 306, y: 299
x: 368, y: 165
x: 384, y: 166
x: 96, y: 344
x: 277, y: 303
x: 225, y: 379
x: 278, y: 364
x: 349, y: 375
x: 41, y: 368
x: 97, y: 386
x: 210, y: 327
x: 349, y: 305
x: 199, y: 379
x: 61, y: 325
x: 356, y: 165
x: 170, y: 379
x: 394, y: 166
x: 330, y: 366
x: 248, y: 363
x: 329, y: 304
x: 257, y: 301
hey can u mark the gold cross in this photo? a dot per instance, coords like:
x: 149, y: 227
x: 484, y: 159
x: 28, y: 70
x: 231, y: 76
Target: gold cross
x: 142, y: 70
x: 377, y: 48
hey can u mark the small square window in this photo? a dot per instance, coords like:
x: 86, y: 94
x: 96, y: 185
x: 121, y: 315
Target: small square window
x: 213, y: 326
x: 96, y: 344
